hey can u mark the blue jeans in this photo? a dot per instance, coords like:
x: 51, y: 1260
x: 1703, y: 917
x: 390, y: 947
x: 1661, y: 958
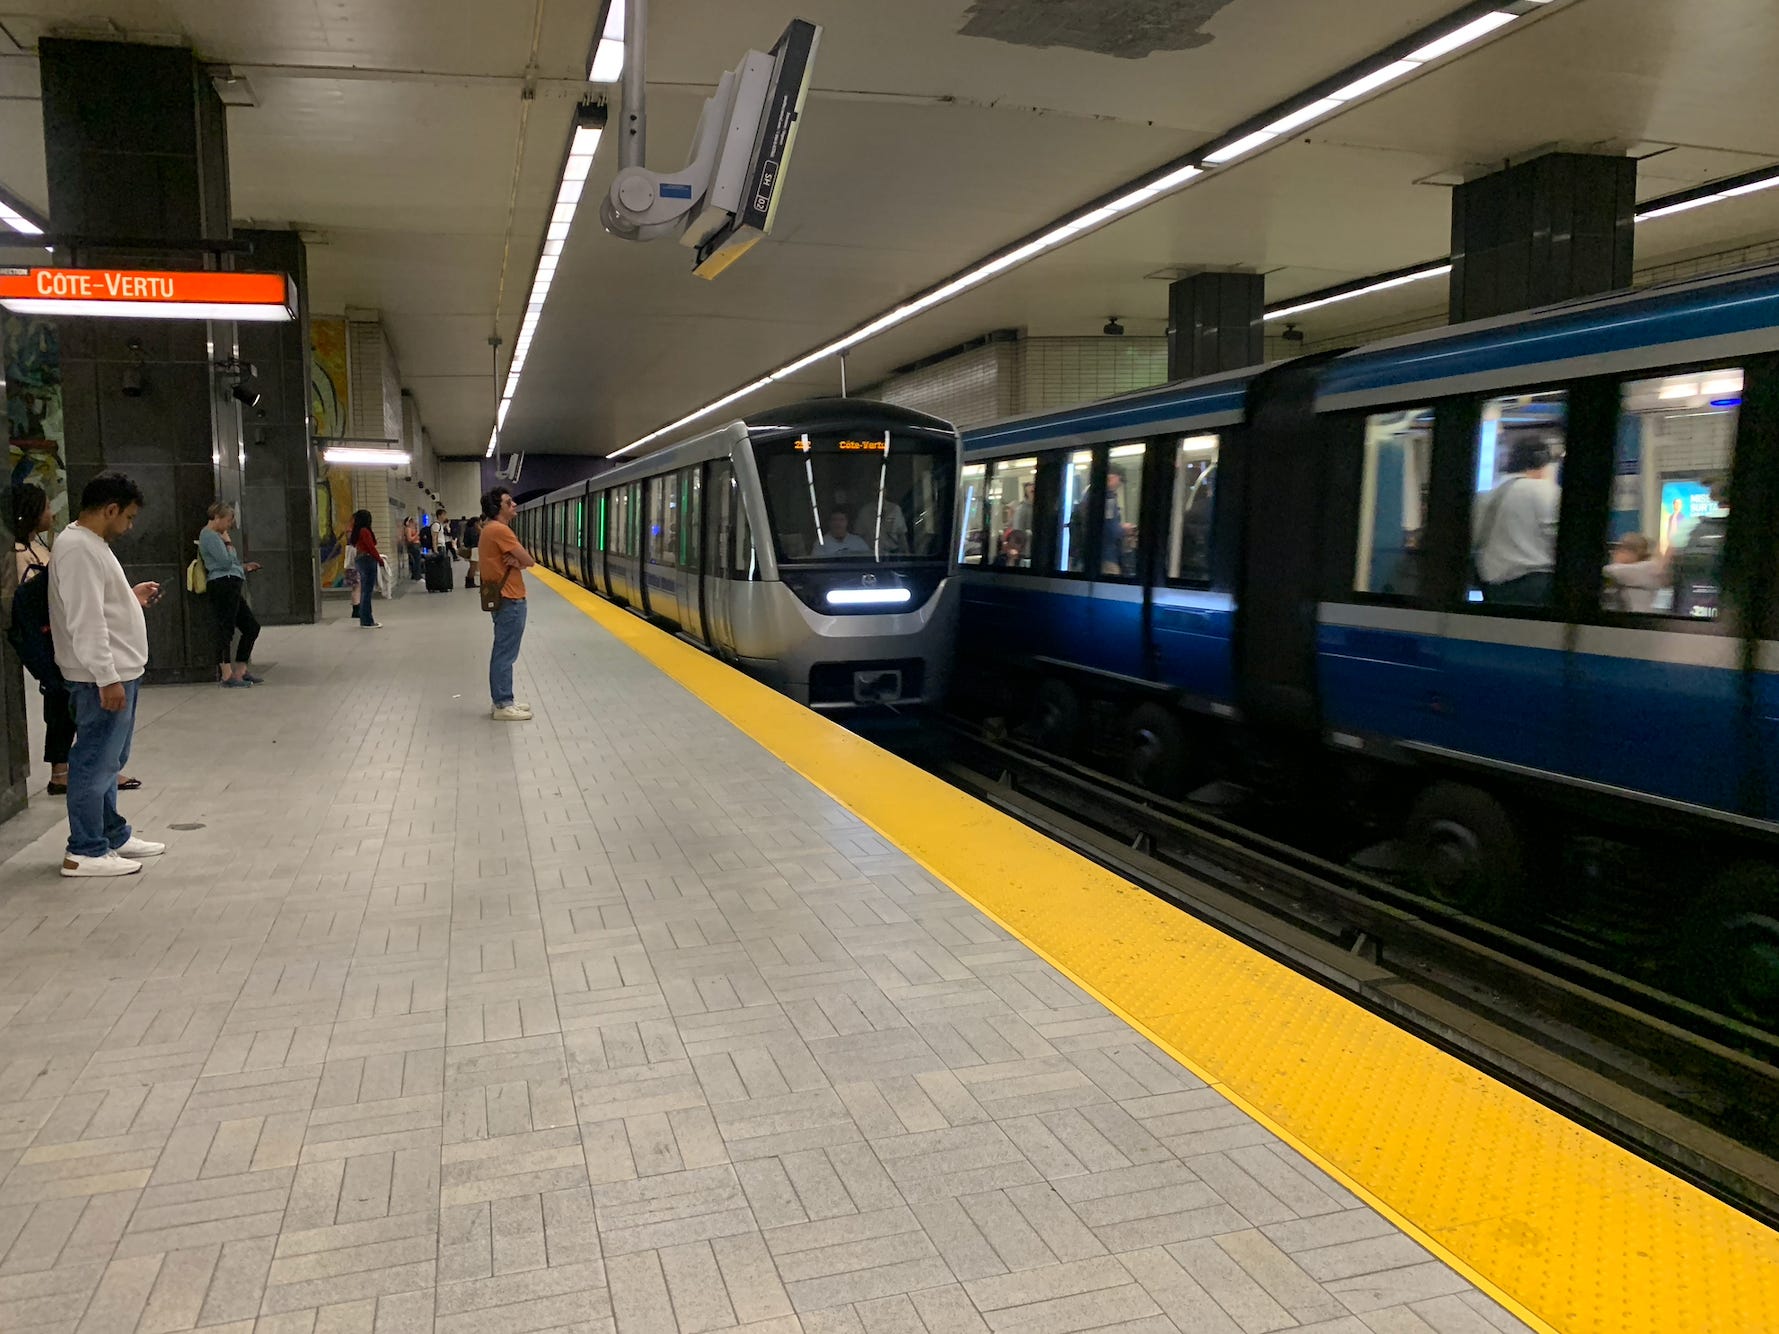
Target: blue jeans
x: 101, y: 749
x: 367, y: 581
x: 509, y: 629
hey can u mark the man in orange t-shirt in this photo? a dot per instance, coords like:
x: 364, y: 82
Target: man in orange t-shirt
x: 503, y: 559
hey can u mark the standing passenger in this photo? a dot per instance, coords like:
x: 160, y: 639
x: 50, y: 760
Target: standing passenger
x: 503, y: 559
x: 411, y: 539
x: 228, y: 595
x: 101, y: 643
x: 472, y: 534
x: 364, y: 542
x: 1514, y: 534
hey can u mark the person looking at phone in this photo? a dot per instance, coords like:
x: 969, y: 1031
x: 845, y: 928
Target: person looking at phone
x: 101, y: 640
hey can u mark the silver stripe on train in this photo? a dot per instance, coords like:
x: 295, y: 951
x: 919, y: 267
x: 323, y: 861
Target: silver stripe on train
x: 1606, y: 641
x: 1589, y: 785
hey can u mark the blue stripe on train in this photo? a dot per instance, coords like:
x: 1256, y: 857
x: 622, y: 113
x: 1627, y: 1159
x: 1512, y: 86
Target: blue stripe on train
x: 1729, y: 308
x: 1672, y: 730
x: 1010, y: 617
x: 1133, y: 415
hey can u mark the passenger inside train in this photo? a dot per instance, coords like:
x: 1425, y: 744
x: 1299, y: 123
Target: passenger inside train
x: 838, y: 539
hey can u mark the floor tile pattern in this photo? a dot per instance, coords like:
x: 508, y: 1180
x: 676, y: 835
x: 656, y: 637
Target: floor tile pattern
x: 608, y: 1021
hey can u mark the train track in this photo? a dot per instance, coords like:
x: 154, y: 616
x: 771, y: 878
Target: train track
x: 1693, y: 1091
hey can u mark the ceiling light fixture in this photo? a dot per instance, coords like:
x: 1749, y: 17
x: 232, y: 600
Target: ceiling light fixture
x: 608, y: 56
x: 582, y: 145
x: 350, y: 457
x: 1467, y: 26
x: 1365, y: 287
x: 1716, y: 192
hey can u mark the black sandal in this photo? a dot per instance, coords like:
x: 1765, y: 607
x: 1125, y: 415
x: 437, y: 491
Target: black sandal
x: 129, y: 784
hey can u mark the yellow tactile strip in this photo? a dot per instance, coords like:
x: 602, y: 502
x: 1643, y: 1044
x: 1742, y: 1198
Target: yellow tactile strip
x: 1566, y: 1229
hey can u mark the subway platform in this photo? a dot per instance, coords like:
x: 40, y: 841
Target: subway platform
x: 679, y: 1008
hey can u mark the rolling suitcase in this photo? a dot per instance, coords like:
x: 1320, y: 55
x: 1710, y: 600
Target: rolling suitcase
x: 438, y: 573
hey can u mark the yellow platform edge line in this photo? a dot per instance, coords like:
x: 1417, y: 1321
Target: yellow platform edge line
x: 1659, y: 1254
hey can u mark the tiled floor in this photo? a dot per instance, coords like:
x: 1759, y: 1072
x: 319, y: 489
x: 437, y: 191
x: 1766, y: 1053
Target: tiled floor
x: 438, y: 1023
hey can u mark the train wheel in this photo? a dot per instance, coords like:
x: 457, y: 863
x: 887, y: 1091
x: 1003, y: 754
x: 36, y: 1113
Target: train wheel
x: 1057, y: 717
x: 1155, y: 750
x: 1467, y: 851
x: 1729, y: 945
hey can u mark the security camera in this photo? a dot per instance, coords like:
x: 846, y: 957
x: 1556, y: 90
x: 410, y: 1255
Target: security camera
x: 1113, y: 329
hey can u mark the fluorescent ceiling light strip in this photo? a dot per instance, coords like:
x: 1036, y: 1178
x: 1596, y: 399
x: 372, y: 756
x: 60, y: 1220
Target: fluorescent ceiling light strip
x: 568, y: 197
x: 1400, y: 280
x: 1473, y: 31
x: 365, y: 458
x: 19, y: 222
x: 1370, y: 83
x: 1734, y: 192
x: 1302, y: 116
x: 1246, y: 144
x: 1377, y: 78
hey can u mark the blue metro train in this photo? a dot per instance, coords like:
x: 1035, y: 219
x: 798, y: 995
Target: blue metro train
x: 1504, y: 582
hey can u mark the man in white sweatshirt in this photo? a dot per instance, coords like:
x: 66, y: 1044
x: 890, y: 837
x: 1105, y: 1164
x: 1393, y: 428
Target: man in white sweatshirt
x: 101, y: 639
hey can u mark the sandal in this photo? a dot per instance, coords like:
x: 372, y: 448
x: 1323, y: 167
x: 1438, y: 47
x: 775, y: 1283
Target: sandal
x: 128, y: 784
x: 57, y: 789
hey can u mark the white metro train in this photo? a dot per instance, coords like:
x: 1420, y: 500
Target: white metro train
x: 809, y: 545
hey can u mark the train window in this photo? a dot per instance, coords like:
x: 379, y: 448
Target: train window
x: 972, y: 531
x: 690, y: 494
x: 859, y: 494
x: 719, y: 518
x: 1195, y: 497
x: 1393, y: 502
x: 638, y: 518
x: 1013, y: 492
x: 1670, y: 493
x: 1517, y: 499
x: 1122, y: 524
x: 1075, y: 514
x: 747, y: 565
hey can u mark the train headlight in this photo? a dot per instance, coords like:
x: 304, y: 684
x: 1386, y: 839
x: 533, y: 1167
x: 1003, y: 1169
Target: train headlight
x: 869, y: 597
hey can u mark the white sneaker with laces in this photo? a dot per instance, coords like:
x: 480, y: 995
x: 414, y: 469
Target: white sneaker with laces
x: 139, y: 848
x: 512, y: 713
x: 109, y: 865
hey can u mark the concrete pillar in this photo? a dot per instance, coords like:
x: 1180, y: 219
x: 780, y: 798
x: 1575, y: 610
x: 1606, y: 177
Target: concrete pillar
x: 135, y: 143
x: 278, y: 489
x: 1557, y: 227
x: 1214, y: 324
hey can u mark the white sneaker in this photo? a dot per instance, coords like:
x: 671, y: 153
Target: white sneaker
x: 109, y: 865
x: 139, y: 848
x: 512, y: 713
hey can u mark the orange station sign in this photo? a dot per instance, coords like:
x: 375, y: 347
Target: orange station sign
x: 149, y: 294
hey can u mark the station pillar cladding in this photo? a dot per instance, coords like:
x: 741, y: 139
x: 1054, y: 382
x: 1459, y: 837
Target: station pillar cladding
x: 136, y: 146
x: 1557, y: 227
x: 1214, y: 323
x: 278, y: 485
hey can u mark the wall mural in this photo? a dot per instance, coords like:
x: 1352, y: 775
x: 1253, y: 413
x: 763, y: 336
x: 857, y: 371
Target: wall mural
x: 329, y: 402
x: 34, y: 407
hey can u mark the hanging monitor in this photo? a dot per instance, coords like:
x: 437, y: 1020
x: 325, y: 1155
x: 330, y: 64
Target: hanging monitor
x: 762, y: 182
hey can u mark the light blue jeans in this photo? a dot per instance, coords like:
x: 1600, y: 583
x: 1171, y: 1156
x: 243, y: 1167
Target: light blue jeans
x: 101, y: 749
x: 509, y: 629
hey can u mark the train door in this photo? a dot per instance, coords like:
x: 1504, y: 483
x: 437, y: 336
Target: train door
x: 656, y: 565
x: 1281, y: 493
x: 580, y: 562
x: 691, y: 534
x: 1660, y: 690
x: 1119, y: 624
x: 1189, y: 621
x: 720, y: 500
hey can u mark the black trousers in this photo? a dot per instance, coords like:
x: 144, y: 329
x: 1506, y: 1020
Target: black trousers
x: 58, y: 724
x: 228, y: 601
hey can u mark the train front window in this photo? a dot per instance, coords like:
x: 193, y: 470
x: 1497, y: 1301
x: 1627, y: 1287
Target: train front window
x: 858, y: 496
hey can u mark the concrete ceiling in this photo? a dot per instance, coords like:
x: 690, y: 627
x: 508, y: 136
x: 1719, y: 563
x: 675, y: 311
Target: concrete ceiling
x: 398, y: 134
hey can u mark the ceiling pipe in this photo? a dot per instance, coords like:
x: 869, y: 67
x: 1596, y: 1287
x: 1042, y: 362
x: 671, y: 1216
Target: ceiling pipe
x: 633, y: 147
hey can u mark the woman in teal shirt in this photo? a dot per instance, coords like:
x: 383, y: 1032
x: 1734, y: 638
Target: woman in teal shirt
x: 227, y: 578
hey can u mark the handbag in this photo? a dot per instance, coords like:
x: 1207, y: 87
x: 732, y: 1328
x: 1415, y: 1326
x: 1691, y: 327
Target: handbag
x: 491, y: 598
x: 197, y: 578
x: 385, y: 581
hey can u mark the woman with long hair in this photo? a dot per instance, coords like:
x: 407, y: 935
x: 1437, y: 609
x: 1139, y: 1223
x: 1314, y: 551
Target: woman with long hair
x: 364, y: 542
x: 32, y: 522
x: 227, y: 576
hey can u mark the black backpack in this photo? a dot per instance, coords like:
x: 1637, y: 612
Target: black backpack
x: 28, y: 631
